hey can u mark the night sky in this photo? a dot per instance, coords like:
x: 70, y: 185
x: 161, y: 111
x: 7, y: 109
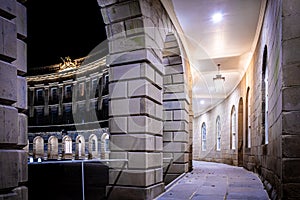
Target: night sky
x: 60, y: 28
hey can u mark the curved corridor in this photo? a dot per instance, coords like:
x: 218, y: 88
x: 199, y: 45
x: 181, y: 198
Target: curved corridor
x: 216, y: 181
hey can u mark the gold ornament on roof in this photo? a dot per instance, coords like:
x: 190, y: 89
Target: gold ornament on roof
x: 68, y: 64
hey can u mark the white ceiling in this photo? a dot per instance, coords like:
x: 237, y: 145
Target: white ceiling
x: 229, y: 42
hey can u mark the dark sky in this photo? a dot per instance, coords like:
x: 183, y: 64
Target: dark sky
x: 60, y: 28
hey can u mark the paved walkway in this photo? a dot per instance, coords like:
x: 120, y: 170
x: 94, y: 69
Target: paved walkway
x: 214, y: 181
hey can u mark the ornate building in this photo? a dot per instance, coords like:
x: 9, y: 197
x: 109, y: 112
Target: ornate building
x: 68, y: 110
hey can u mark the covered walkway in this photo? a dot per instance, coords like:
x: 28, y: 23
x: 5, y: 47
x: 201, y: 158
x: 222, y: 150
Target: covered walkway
x: 214, y: 181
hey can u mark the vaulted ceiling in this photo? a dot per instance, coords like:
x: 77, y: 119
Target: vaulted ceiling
x: 228, y: 39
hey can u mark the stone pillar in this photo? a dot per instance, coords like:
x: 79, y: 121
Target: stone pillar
x: 13, y: 100
x: 290, y: 99
x: 135, y: 92
x: 176, y: 112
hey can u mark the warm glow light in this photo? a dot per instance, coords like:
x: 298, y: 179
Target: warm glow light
x: 217, y: 17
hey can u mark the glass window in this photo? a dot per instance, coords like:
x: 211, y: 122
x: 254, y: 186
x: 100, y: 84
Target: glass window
x: 218, y: 129
x: 54, y: 95
x: 233, y: 128
x: 40, y: 96
x: 203, y: 133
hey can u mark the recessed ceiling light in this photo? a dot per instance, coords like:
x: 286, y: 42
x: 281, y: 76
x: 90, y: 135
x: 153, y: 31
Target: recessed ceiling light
x: 202, y: 102
x: 217, y: 17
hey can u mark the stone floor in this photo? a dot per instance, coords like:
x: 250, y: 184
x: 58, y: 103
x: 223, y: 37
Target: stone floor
x: 214, y: 181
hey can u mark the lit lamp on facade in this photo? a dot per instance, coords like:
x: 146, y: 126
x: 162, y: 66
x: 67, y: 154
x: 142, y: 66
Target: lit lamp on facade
x: 219, y: 81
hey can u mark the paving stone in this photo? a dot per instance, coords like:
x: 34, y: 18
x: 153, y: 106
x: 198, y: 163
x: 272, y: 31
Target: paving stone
x: 212, y: 181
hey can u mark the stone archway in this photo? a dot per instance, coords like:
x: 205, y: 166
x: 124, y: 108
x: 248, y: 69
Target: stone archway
x: 38, y: 147
x: 52, y: 147
x: 176, y: 111
x: 137, y: 31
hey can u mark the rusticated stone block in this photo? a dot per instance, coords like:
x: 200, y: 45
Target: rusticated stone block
x: 22, y: 166
x: 22, y: 139
x: 137, y: 142
x: 8, y: 8
x: 9, y: 196
x: 290, y: 146
x: 134, y: 26
x: 291, y: 98
x: 22, y: 192
x: 121, y: 11
x: 8, y: 42
x: 21, y: 93
x: 118, y: 125
x: 178, y: 168
x: 290, y: 7
x: 132, y: 177
x: 144, y: 160
x: 21, y: 61
x: 9, y: 165
x: 21, y: 21
x: 290, y: 75
x: 115, y: 30
x: 289, y: 172
x: 103, y: 3
x: 289, y: 51
x: 291, y: 191
x: 175, y: 147
x: 290, y: 122
x: 8, y: 84
x: 9, y: 125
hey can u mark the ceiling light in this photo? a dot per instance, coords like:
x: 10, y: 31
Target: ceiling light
x: 219, y: 81
x: 202, y: 102
x: 217, y: 17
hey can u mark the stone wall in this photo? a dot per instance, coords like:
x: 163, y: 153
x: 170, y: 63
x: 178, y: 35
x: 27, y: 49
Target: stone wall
x: 137, y: 33
x: 13, y: 100
x: 290, y: 99
x: 262, y: 158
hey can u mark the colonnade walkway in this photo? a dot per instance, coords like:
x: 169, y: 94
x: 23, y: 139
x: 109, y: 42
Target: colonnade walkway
x: 214, y: 181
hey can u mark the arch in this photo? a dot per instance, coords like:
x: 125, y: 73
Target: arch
x: 203, y: 136
x: 80, y: 147
x: 240, y: 132
x: 218, y: 133
x: 67, y: 147
x: 105, y: 146
x: 265, y: 97
x: 93, y: 146
x: 233, y: 128
x: 248, y: 119
x: 38, y: 147
x: 175, y: 106
x: 52, y: 147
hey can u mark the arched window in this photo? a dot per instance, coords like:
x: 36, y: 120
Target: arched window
x: 218, y: 130
x: 265, y: 96
x: 203, y: 136
x: 80, y: 147
x: 248, y: 119
x: 67, y: 141
x: 233, y: 128
x: 52, y: 147
x: 93, y: 146
x: 38, y: 147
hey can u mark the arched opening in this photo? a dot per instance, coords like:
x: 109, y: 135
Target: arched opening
x: 248, y: 119
x: 240, y: 132
x: 93, y: 146
x: 218, y: 133
x: 203, y: 137
x: 176, y: 111
x: 53, y: 148
x: 38, y: 147
x: 80, y: 147
x: 67, y: 147
x: 105, y: 146
x: 265, y: 97
x: 233, y: 128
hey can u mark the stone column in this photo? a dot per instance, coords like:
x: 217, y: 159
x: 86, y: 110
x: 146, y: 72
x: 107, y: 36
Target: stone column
x: 135, y: 110
x: 290, y: 99
x: 13, y: 100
